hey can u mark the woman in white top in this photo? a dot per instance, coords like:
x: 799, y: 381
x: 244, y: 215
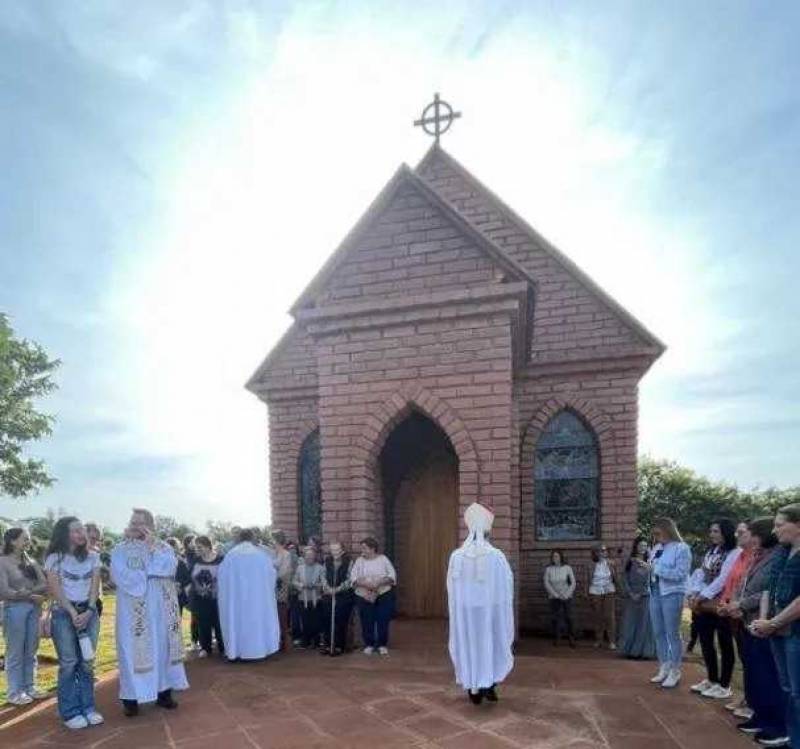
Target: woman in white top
x: 374, y: 579
x: 602, y: 596
x: 73, y: 575
x: 559, y: 582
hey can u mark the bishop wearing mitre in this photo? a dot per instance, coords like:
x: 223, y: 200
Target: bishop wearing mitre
x: 480, y: 591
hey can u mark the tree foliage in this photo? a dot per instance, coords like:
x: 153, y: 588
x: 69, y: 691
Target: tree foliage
x: 668, y: 489
x: 167, y: 526
x: 25, y: 375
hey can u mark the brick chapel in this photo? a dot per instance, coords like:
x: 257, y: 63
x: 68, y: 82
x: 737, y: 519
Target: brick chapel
x: 447, y: 353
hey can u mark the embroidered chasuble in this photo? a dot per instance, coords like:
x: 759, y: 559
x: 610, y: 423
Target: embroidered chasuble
x: 148, y: 626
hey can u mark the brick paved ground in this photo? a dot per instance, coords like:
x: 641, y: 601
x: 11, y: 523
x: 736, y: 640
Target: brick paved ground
x: 555, y: 699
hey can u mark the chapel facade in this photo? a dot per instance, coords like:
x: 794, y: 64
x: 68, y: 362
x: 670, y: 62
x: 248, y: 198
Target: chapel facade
x: 447, y: 353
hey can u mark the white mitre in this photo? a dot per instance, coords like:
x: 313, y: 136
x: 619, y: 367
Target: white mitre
x: 479, y: 520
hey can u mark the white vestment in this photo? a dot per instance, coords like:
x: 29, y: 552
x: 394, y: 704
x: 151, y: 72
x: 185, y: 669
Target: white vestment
x: 248, y: 609
x: 149, y: 644
x: 480, y: 591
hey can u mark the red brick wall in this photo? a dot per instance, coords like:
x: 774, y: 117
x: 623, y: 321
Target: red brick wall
x: 290, y: 422
x: 570, y: 322
x: 361, y: 401
x: 411, y: 249
x: 607, y: 402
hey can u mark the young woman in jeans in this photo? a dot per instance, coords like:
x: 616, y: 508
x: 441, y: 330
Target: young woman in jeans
x: 717, y: 564
x: 780, y: 614
x: 671, y: 561
x: 73, y: 574
x: 374, y: 579
x: 23, y: 590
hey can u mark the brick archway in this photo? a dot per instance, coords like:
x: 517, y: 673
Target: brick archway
x: 301, y: 433
x: 600, y: 424
x: 380, y: 425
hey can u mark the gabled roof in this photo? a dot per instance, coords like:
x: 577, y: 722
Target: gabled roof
x: 263, y: 368
x: 404, y: 176
x: 437, y: 152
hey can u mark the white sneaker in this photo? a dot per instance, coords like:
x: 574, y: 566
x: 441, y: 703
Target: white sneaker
x: 369, y: 650
x: 717, y: 692
x: 672, y: 680
x: 743, y: 712
x: 37, y: 694
x: 76, y: 723
x: 202, y: 654
x: 383, y: 651
x: 19, y: 700
x: 612, y: 646
x: 94, y: 718
x: 663, y: 672
x: 701, y: 687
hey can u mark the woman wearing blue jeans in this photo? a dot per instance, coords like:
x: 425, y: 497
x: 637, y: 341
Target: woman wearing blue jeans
x: 780, y: 614
x: 671, y: 562
x: 23, y: 590
x: 73, y: 574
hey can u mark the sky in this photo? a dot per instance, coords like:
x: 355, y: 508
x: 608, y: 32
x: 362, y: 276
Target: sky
x: 173, y: 175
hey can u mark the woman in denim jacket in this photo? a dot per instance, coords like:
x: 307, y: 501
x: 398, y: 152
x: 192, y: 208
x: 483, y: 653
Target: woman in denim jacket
x: 672, y: 560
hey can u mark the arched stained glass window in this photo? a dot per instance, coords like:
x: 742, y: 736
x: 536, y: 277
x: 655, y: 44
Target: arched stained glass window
x: 566, y: 476
x: 310, y: 488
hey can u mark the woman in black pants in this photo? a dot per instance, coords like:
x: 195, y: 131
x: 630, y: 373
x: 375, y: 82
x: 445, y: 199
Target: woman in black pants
x: 204, y: 596
x: 704, y: 601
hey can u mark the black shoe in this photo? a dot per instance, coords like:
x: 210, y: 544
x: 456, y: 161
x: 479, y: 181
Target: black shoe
x: 770, y: 739
x: 130, y: 708
x: 165, y: 700
x: 475, y: 699
x: 749, y: 727
x: 490, y: 693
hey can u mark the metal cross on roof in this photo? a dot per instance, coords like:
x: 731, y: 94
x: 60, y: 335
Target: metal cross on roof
x: 441, y: 119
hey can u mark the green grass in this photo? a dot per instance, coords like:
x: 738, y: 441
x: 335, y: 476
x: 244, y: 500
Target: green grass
x: 105, y: 658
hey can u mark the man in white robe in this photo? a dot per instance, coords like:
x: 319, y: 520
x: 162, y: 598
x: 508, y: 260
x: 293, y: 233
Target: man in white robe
x: 248, y: 608
x: 148, y: 625
x: 480, y: 591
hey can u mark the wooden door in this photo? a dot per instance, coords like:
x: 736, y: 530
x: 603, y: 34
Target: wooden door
x: 426, y: 531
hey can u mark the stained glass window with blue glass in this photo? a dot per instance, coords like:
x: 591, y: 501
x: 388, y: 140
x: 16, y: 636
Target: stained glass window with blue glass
x: 310, y: 488
x: 566, y: 479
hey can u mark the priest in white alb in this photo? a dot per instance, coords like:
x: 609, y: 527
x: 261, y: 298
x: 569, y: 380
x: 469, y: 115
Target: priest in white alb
x: 148, y: 624
x: 248, y: 607
x: 480, y: 592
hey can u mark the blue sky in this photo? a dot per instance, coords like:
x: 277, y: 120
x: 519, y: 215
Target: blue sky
x: 174, y: 173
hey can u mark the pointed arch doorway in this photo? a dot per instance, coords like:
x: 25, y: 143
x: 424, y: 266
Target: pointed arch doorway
x: 419, y: 476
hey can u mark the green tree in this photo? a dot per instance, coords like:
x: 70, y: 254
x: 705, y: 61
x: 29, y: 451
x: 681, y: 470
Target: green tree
x: 693, y: 501
x: 219, y: 531
x: 25, y: 375
x: 167, y: 526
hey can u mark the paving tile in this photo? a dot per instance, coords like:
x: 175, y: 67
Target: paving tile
x: 475, y: 740
x: 211, y: 717
x: 152, y: 736
x: 226, y: 739
x: 394, y: 709
x: 287, y: 733
x: 434, y: 727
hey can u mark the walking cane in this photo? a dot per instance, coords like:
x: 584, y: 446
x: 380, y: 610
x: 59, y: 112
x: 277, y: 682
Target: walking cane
x: 333, y: 615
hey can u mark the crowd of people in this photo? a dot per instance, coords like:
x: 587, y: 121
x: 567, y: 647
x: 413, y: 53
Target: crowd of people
x: 253, y: 596
x: 744, y: 599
